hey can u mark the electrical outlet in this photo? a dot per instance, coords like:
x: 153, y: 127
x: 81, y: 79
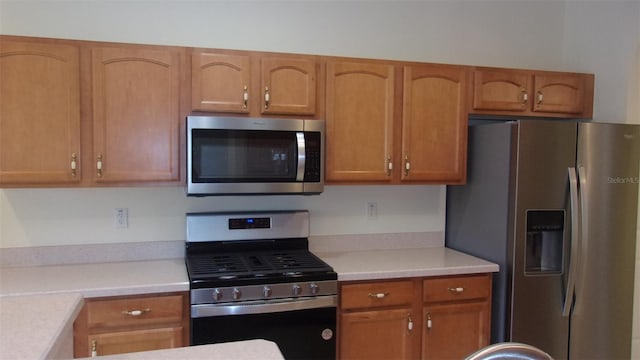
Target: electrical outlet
x: 372, y: 210
x: 121, y: 218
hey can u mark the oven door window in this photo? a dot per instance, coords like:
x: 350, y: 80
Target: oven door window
x: 301, y: 334
x: 244, y: 156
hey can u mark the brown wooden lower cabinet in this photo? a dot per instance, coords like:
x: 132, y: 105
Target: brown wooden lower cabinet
x: 388, y: 328
x: 455, y: 330
x: 117, y: 325
x: 137, y: 340
x: 419, y: 318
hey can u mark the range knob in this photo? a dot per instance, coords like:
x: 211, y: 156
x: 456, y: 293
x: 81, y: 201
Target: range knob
x: 236, y: 293
x: 217, y: 294
x: 296, y: 289
x: 266, y: 291
x: 314, y: 288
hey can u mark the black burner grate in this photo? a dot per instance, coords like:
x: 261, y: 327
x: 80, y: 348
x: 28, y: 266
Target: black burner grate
x: 217, y: 264
x: 257, y: 264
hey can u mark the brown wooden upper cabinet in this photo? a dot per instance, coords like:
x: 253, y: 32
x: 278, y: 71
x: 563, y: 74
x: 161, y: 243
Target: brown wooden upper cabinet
x: 532, y: 93
x: 374, y: 135
x: 84, y: 113
x: 360, y: 121
x: 254, y: 84
x: 434, y: 124
x: 136, y: 114
x: 39, y: 112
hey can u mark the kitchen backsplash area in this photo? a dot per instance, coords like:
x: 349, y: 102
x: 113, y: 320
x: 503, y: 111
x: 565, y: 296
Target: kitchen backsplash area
x: 51, y: 217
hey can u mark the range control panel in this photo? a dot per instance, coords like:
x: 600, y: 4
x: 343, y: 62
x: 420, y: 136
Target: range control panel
x: 250, y: 223
x: 263, y: 292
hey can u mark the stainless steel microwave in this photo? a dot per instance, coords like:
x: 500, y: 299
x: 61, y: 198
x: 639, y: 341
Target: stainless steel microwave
x: 235, y: 155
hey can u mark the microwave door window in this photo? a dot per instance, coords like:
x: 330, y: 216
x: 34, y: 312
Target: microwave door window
x: 244, y: 156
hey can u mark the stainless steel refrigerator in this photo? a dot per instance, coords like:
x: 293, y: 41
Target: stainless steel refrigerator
x: 554, y: 203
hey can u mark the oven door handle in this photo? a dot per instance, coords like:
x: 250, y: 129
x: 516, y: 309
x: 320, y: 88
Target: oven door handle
x: 262, y: 307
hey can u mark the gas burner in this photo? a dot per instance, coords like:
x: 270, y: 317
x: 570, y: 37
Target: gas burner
x: 220, y: 252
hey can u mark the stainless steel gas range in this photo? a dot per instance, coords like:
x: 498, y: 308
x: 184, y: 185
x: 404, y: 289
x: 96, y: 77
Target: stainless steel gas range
x: 252, y: 276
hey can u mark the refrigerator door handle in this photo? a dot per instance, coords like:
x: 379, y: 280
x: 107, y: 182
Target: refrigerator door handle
x: 575, y: 236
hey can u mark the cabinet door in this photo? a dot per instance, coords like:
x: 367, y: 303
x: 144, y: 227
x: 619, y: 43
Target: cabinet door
x: 288, y: 86
x: 562, y: 93
x: 137, y: 340
x: 136, y: 114
x: 220, y: 82
x: 360, y: 114
x: 382, y: 334
x: 501, y: 90
x: 39, y: 113
x: 434, y: 124
x: 456, y: 330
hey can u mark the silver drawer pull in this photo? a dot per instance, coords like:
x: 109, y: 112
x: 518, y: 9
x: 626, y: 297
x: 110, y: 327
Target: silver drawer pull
x: 135, y: 312
x: 456, y: 290
x: 378, y: 295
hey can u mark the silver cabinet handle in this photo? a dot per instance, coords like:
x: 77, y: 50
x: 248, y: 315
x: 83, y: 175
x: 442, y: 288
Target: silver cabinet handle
x: 99, y: 165
x: 74, y: 164
x: 378, y: 295
x: 94, y: 346
x: 456, y: 290
x: 136, y: 312
x: 267, y: 97
x: 525, y: 96
x: 245, y: 97
x: 407, y: 166
x: 540, y: 97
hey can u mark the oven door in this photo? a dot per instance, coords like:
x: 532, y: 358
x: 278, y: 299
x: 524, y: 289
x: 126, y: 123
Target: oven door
x: 244, y: 156
x: 302, y: 328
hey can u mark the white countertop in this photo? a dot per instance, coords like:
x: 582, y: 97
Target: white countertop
x: 97, y: 279
x: 38, y: 304
x: 387, y: 264
x: 37, y: 326
x: 239, y: 350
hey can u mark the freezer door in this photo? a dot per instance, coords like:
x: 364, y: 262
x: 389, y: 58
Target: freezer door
x: 541, y: 234
x: 601, y: 322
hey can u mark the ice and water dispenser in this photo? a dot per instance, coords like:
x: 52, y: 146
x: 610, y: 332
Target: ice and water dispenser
x: 544, y: 242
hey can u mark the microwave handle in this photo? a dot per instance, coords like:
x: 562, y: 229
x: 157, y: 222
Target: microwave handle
x: 302, y: 156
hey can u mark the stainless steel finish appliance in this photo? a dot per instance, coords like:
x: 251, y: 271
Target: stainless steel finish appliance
x: 554, y: 203
x: 252, y: 277
x: 509, y: 351
x: 227, y: 155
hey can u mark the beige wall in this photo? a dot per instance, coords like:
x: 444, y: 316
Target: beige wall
x: 602, y: 37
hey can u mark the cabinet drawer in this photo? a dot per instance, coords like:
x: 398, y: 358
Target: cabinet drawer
x: 379, y: 294
x: 456, y: 288
x: 135, y: 311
